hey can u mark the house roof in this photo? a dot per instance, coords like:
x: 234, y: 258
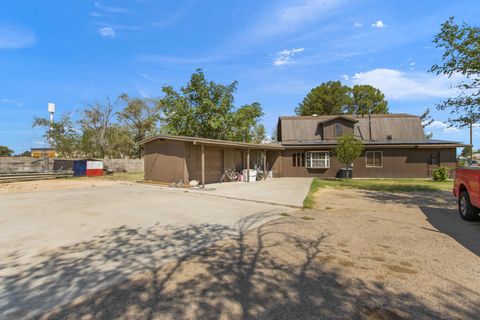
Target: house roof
x: 354, y: 116
x: 381, y: 143
x: 374, y: 127
x: 214, y: 142
x: 352, y: 119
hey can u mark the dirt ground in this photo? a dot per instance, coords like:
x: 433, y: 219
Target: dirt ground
x: 53, y: 184
x: 358, y: 255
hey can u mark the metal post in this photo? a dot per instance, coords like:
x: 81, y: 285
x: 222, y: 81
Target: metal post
x: 203, y: 166
x: 248, y: 165
x: 265, y: 165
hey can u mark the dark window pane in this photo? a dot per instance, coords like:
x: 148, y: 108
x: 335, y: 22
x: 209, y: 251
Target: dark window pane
x: 338, y: 130
x: 378, y: 159
x: 369, y: 157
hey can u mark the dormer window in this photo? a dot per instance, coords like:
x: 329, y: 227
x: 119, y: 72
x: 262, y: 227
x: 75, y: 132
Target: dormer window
x: 338, y: 130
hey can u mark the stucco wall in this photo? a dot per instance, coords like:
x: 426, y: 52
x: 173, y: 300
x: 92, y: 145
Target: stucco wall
x: 24, y: 164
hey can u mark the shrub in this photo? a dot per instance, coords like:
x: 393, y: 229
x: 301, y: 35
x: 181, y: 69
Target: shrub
x: 440, y: 174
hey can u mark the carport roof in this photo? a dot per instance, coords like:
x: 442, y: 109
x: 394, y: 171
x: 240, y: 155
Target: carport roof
x: 214, y: 142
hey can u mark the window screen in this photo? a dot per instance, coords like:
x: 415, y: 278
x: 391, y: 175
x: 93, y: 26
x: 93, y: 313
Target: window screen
x: 374, y: 159
x: 338, y: 130
x: 318, y: 159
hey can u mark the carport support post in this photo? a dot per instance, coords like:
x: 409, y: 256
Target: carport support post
x: 265, y: 165
x: 203, y: 166
x: 248, y: 165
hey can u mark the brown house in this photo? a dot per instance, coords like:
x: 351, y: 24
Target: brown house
x: 395, y: 147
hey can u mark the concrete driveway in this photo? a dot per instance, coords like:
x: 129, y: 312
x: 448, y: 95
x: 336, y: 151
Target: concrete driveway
x: 281, y: 191
x: 58, y: 245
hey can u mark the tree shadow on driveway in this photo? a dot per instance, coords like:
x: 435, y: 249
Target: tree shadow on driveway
x: 441, y: 212
x: 271, y: 272
x: 32, y: 285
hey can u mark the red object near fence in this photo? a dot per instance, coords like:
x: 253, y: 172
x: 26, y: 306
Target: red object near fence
x: 94, y: 168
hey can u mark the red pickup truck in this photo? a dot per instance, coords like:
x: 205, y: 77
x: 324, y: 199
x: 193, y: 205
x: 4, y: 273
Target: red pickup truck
x: 466, y: 189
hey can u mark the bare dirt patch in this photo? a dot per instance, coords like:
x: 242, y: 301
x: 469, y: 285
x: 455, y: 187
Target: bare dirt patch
x: 371, y: 255
x: 53, y: 184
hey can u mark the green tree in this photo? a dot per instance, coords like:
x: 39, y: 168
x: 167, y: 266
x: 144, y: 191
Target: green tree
x: 140, y: 118
x: 466, y: 152
x: 426, y: 120
x: 120, y: 142
x: 25, y: 154
x: 95, y: 121
x: 461, y: 55
x: 5, y: 151
x: 206, y: 109
x: 348, y: 149
x: 367, y: 100
x: 61, y: 135
x: 326, y: 99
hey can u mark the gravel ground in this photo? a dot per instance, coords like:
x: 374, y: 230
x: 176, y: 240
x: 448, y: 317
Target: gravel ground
x: 358, y: 255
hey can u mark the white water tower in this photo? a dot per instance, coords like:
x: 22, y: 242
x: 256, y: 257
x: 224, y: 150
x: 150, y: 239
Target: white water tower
x: 51, y: 109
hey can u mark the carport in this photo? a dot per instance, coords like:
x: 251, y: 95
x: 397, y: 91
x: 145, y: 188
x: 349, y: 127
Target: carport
x: 173, y: 158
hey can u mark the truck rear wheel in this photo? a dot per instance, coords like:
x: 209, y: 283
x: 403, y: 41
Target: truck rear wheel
x: 467, y: 211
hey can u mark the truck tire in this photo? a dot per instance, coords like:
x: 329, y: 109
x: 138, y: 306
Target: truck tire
x: 467, y: 211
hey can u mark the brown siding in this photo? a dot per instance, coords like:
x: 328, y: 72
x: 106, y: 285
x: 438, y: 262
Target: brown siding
x: 274, y: 163
x: 213, y: 163
x: 329, y: 128
x: 165, y: 161
x: 397, y: 163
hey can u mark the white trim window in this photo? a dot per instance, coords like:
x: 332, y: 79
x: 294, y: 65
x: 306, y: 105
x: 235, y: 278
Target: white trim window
x: 374, y: 159
x: 317, y: 159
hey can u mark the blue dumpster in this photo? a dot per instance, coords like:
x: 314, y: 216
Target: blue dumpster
x: 79, y: 168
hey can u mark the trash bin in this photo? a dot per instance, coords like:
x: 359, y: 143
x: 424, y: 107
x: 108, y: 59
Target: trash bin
x: 345, y: 173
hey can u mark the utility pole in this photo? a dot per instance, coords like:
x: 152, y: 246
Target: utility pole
x: 471, y: 139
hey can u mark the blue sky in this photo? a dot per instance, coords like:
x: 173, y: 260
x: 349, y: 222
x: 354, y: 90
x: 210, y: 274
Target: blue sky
x: 69, y: 52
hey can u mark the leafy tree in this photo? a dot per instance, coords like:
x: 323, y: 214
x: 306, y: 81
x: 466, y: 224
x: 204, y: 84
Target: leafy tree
x: 326, y: 99
x: 5, y: 151
x: 62, y: 136
x: 348, y: 149
x: 367, y: 100
x: 120, y: 142
x: 466, y: 152
x: 426, y: 120
x: 461, y: 55
x: 25, y: 154
x: 96, y: 120
x: 206, y: 109
x: 140, y: 117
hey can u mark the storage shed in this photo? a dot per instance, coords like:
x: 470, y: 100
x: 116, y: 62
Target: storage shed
x: 174, y: 158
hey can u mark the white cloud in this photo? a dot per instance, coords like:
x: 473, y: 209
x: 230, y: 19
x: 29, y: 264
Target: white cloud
x: 345, y: 77
x: 11, y: 102
x: 98, y: 14
x: 285, y: 56
x: 439, y: 126
x: 357, y: 24
x: 379, y: 24
x: 287, y: 18
x: 111, y: 9
x: 14, y: 37
x: 398, y: 85
x: 107, y: 32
